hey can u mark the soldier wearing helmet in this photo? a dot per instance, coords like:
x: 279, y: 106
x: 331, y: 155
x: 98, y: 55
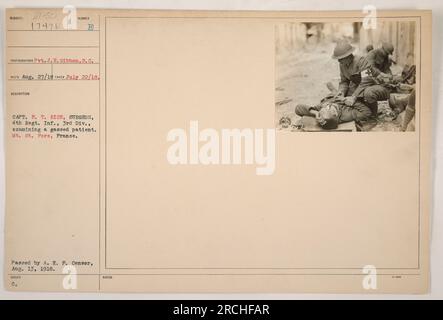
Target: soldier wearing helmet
x: 381, y: 61
x: 356, y: 80
x: 350, y: 67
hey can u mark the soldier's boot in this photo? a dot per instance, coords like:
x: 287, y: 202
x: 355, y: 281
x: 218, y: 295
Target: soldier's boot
x: 303, y: 110
x: 374, y: 109
x: 398, y: 102
x: 409, y: 115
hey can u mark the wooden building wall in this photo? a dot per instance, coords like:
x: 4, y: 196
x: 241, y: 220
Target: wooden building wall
x: 291, y: 37
x: 400, y: 34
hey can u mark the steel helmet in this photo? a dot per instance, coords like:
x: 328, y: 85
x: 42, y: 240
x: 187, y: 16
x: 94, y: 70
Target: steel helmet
x: 388, y: 47
x: 342, y: 50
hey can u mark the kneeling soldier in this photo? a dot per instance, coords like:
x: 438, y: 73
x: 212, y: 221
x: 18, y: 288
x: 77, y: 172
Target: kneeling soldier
x: 356, y: 81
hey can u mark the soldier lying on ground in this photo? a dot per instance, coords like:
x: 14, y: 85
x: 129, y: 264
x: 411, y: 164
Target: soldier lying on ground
x: 332, y: 110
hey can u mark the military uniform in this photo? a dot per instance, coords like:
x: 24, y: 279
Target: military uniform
x: 379, y: 62
x: 408, y: 74
x: 356, y: 81
x: 350, y: 76
x: 410, y: 111
x: 358, y: 112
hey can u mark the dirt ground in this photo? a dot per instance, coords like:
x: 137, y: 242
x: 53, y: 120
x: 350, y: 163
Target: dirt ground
x: 301, y: 79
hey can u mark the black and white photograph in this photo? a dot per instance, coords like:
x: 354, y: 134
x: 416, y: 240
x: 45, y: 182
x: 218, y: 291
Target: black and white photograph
x: 223, y: 159
x: 346, y: 76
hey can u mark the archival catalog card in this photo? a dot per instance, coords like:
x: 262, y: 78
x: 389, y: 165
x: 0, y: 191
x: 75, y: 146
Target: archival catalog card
x: 199, y: 151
